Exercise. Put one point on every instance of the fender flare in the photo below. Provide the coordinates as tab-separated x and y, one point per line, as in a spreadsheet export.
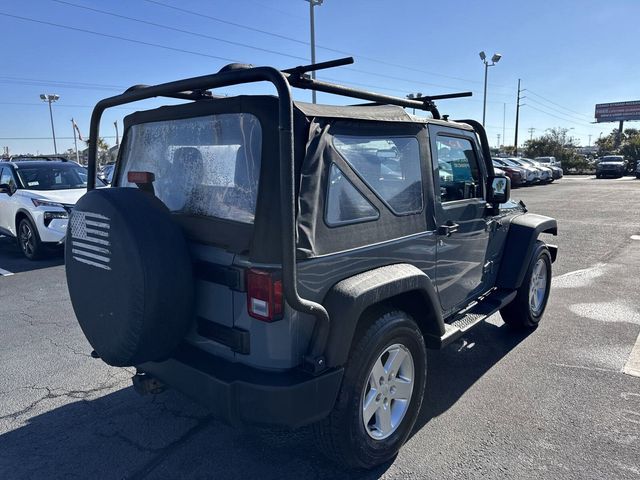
349	298
521	239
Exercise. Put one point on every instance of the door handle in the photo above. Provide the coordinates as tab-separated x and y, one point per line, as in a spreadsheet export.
448	228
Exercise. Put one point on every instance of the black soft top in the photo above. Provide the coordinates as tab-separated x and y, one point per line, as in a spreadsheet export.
312	153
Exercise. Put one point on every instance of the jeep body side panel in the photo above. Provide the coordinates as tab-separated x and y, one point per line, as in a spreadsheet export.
348	299
523	233
461	254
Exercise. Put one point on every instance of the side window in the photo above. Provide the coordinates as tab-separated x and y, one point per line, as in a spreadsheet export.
389	165
345	204
459	174
7	177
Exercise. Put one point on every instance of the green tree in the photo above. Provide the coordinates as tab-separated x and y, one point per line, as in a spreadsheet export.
555	143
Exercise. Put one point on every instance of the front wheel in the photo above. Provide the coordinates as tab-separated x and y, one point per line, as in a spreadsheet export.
381	394
525	311
29	240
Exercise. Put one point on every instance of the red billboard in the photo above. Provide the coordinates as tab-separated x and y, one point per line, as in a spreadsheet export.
614	112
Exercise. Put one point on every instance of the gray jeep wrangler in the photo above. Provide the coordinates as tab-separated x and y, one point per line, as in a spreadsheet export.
289	263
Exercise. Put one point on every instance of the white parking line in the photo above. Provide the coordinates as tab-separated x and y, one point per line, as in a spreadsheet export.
5	273
633	363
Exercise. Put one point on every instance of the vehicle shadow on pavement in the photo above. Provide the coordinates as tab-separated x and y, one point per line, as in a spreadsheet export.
122	435
453	370
12	259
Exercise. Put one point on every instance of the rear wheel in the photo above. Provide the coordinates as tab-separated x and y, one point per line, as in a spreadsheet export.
381	394
29	240
526	310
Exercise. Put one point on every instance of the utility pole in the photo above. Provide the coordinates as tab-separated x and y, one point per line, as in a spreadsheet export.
75	141
515	142
498	142
589	140
531	130
313	3
504	116
619	135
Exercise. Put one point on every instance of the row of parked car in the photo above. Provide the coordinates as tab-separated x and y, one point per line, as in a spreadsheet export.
527	171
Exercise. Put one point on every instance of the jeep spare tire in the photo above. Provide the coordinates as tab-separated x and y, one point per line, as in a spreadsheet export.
129	275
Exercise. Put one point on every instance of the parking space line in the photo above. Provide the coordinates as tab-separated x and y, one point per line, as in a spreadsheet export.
5	273
633	363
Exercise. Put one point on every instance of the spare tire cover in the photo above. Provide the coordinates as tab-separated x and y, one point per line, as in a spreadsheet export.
129	275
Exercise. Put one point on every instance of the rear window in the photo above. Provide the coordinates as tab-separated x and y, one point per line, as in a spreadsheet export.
203	166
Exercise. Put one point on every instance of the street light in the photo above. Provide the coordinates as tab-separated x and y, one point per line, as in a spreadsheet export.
50	98
495	59
313	3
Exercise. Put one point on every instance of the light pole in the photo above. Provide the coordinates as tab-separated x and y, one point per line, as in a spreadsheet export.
495	59
50	98
313	3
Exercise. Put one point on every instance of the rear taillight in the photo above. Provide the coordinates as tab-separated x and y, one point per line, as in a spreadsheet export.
264	295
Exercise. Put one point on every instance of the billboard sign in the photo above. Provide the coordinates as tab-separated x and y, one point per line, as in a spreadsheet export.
615	112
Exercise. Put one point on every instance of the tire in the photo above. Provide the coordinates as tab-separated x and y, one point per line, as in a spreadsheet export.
131	284
520	313
29	240
343	435
598	175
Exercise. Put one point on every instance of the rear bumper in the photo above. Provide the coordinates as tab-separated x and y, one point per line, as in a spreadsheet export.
239	394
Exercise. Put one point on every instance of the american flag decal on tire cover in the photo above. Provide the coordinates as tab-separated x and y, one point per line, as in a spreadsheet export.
90	239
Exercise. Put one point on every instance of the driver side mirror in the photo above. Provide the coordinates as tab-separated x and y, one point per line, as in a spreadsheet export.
499	190
6	188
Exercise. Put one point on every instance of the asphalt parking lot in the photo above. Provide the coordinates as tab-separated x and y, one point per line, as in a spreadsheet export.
551	404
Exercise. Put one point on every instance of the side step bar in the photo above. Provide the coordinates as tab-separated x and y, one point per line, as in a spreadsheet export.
471	317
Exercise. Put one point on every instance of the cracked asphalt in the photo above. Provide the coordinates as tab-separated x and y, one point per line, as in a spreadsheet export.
550	404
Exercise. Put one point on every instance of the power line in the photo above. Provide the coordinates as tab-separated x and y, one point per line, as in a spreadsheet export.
116	37
202	54
558	105
87	84
555	109
180	30
555	116
302	42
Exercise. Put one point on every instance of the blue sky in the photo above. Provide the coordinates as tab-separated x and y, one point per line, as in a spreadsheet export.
570	55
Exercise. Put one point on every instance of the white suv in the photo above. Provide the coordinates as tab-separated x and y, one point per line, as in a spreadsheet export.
36	197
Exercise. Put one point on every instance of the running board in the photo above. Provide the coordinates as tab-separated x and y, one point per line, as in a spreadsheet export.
465	321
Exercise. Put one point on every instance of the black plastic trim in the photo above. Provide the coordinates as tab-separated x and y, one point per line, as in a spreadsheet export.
229	276
349	298
237	339
240	394
521	239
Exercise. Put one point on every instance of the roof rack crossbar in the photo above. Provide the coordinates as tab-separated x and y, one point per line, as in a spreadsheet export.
313	67
185	95
333	88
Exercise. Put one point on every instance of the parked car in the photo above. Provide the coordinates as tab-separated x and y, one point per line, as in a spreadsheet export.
546	174
548	161
638	171
530	174
106	173
293	281
611	166
516	175
36	197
